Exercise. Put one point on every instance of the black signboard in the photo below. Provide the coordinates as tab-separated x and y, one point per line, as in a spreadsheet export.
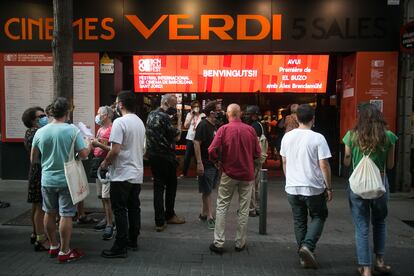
190	26
407	38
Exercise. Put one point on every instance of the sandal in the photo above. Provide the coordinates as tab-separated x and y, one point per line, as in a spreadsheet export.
4	204
40	246
383	269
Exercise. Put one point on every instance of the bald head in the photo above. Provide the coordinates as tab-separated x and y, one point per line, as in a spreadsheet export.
233	111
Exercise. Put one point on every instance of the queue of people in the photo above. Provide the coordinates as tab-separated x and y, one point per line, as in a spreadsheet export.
229	156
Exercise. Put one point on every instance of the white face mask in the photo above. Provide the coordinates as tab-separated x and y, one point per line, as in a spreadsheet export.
196	109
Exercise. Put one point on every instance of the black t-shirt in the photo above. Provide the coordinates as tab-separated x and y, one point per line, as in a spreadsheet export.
205	132
257	127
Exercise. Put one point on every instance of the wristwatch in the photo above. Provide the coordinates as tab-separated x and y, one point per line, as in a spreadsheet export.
329	189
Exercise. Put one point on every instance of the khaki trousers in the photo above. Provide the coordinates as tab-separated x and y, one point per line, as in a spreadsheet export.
255	201
225	194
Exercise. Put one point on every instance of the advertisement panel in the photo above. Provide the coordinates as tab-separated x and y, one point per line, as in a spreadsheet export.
369	77
231	73
26	80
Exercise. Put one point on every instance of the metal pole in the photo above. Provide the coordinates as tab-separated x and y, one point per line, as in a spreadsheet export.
263	202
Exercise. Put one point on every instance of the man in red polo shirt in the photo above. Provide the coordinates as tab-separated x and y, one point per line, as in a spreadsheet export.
234	147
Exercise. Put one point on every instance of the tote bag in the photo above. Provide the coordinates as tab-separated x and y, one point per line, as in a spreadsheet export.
264	145
76	176
365	181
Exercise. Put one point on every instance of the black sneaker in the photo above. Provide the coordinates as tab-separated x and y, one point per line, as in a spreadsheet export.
308	258
240	249
133	246
114	253
215	249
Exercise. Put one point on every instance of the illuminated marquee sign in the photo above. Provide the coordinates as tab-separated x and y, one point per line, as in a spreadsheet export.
231	73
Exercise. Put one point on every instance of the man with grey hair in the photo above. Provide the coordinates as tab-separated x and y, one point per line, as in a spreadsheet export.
161	138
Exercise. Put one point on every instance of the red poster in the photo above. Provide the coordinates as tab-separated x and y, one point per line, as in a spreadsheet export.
231	73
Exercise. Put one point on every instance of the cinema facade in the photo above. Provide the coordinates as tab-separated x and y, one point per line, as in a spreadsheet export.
332	54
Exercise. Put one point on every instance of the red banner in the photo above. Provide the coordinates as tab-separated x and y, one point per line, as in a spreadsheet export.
231	73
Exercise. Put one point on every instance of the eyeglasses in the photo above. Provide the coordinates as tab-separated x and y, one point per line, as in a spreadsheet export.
41	116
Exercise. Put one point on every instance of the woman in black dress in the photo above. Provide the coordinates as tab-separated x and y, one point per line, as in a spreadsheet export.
34	118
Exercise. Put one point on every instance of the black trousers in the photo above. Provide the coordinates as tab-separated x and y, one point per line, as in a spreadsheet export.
165	178
126	207
189	153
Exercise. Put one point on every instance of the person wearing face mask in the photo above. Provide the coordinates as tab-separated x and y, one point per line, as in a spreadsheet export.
101	148
192	119
161	138
53	143
34	118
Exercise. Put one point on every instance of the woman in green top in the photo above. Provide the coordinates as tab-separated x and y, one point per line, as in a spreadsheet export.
370	136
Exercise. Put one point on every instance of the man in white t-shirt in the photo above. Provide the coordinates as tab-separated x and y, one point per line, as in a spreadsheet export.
305	155
126	170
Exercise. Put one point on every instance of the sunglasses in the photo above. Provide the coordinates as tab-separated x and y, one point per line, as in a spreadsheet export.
41	116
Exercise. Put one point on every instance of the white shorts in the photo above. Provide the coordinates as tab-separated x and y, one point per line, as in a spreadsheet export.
102	190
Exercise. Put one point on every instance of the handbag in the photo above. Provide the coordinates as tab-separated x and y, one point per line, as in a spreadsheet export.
76	176
365	181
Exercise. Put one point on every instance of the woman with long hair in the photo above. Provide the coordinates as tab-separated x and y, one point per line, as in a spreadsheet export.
370	136
34	118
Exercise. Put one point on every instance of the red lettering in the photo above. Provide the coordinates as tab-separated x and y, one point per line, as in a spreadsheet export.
137	23
242	27
105	26
90	26
174	26
221	32
7	28
39	24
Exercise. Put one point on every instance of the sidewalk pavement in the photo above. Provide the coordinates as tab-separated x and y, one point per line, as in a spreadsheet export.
183	249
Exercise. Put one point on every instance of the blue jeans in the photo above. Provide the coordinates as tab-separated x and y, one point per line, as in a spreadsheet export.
58	199
302	207
363	211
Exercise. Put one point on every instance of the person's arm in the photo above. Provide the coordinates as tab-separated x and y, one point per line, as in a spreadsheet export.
215	146
188	119
197	153
284	164
391	157
96	143
326	172
84	153
111	156
35	156
82	147
347	156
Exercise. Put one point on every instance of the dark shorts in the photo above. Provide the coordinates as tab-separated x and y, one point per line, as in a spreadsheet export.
208	181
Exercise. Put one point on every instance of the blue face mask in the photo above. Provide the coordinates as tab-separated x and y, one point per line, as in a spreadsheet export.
98	120
43	121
